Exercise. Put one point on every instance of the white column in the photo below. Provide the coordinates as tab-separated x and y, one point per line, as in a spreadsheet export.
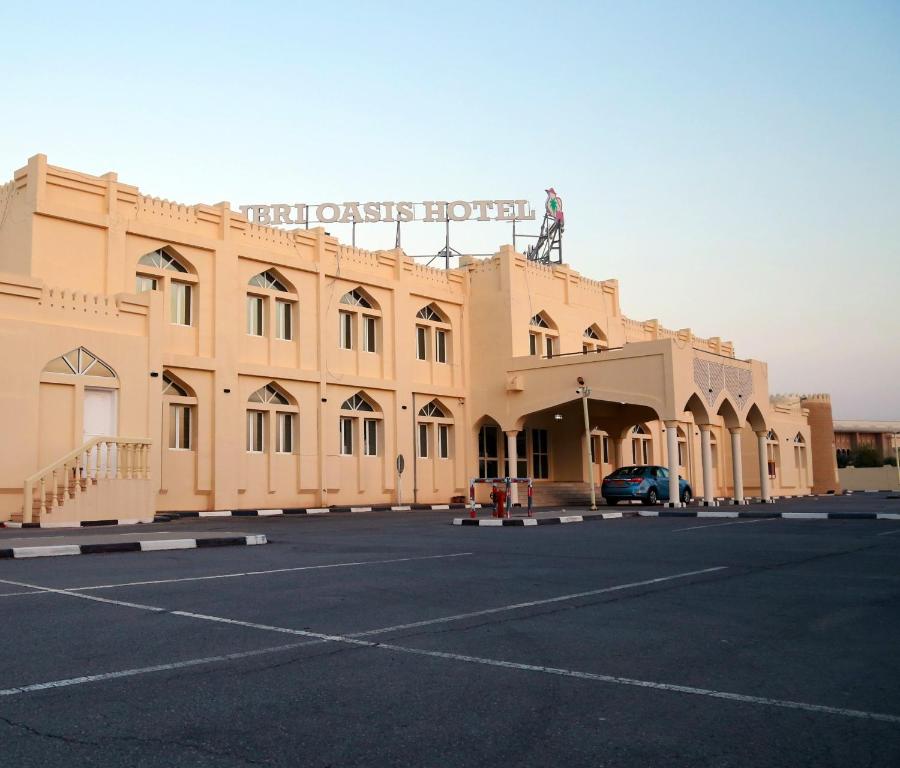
512	463
706	457
737	470
672	456
763	467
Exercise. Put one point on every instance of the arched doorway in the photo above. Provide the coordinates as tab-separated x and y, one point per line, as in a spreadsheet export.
78	401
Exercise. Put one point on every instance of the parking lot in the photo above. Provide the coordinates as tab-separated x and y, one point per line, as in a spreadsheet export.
397	639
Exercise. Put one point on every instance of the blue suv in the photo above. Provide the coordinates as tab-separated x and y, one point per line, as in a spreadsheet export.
649	484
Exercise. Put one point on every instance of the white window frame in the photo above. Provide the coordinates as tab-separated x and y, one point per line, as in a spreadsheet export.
181	307
423	440
177	432
256	315
347	441
284	320
146	283
443	451
421	342
370	333
345	329
256	431
284	436
370	437
440	345
533	343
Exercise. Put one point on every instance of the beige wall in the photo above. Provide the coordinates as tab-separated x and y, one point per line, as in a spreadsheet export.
69	248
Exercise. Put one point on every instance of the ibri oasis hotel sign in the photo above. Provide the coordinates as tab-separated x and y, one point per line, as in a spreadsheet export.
548	242
298	214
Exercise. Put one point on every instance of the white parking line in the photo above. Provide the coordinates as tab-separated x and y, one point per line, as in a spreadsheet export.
533	603
888	533
497	663
717	525
244	573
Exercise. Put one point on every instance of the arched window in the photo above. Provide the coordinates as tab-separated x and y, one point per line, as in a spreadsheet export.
593	340
269	294
181	415
79	362
773	453
359	415
682	447
434	431
641	445
432	335
543	337
268	280
358	319
161	259
356	299
266	406
164	270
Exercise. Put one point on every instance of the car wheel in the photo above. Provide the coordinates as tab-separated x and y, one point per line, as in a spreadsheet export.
612	502
686	496
651	498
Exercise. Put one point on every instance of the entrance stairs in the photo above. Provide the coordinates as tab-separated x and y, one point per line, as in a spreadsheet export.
562	494
97	481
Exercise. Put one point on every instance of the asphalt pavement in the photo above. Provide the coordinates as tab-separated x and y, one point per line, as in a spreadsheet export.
398	639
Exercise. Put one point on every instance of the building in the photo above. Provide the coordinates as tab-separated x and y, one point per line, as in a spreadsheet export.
882	436
162	356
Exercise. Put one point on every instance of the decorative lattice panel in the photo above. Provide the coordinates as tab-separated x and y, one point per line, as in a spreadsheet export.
739	383
709	380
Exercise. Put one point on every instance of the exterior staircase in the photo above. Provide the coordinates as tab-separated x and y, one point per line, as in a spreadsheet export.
563	494
107	478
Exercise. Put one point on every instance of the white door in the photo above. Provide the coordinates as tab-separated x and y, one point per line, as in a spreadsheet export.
100	421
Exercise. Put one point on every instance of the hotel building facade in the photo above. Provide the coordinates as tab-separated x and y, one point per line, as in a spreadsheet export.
166	357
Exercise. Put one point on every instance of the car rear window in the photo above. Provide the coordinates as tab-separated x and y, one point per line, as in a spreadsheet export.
628	472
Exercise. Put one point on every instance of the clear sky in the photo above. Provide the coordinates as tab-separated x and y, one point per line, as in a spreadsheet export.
735	165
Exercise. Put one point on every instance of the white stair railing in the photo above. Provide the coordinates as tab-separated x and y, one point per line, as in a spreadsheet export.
119	458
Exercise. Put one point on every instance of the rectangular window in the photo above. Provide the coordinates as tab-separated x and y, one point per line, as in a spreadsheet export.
284	439
181	303
180	427
549	342
532	343
256	431
346	329
370	332
634	451
421	343
371	437
423	441
605	449
680	454
488	456
646	451
444	441
595	453
585	348
283	320
540	454
346	436
521	454
440	345
255	309
145	283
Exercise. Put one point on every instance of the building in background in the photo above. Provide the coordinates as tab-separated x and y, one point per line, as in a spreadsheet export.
161	356
881	436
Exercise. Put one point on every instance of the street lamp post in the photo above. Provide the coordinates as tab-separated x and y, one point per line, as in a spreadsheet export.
585	393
